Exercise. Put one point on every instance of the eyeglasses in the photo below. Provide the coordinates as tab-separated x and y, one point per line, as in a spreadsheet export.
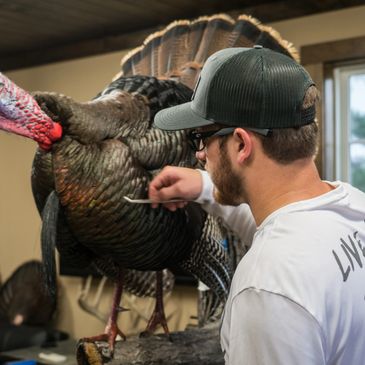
198	139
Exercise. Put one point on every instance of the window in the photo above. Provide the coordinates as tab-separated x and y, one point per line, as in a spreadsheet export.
349	131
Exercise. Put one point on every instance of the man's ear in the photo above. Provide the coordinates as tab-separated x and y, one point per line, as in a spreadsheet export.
243	145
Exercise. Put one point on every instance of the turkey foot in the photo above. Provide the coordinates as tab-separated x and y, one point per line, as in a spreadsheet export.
111	332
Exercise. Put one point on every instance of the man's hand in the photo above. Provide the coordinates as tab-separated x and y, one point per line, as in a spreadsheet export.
175	183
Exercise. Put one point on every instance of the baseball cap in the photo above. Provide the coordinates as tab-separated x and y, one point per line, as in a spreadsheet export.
244	87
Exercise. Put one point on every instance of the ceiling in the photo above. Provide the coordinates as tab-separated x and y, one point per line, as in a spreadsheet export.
42	31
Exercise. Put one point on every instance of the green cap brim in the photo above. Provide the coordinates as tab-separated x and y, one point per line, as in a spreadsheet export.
179	117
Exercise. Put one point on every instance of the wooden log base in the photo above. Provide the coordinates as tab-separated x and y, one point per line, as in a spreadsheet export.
196	346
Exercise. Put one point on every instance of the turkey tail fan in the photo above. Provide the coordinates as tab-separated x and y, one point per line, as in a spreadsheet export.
154	57
248	31
176	36
48	242
180	50
216	36
270	38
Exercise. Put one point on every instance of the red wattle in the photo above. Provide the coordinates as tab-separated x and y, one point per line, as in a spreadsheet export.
45	146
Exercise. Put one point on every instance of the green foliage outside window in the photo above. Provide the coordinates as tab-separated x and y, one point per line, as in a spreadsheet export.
358	136
358	125
358	176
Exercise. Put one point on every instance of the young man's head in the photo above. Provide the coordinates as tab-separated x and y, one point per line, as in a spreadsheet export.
245	97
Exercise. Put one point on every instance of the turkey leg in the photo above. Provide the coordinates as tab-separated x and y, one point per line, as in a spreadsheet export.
158	315
111	329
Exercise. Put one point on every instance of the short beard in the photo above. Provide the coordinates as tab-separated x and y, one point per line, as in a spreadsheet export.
229	187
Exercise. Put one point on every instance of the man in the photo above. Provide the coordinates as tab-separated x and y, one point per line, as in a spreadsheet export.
298	295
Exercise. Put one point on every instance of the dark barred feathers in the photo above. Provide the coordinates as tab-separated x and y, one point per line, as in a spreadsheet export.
157	148
159	93
48	242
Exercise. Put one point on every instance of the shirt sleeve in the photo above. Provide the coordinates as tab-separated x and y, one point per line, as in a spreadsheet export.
238	218
269	329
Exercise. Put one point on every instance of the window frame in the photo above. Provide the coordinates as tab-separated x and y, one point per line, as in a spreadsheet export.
321	60
342	119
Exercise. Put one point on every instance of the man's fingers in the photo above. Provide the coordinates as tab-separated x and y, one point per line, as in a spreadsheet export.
159	188
181	204
167	193
174	183
170	206
157	183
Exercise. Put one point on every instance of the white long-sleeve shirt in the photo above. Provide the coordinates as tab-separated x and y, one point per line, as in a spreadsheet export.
298	295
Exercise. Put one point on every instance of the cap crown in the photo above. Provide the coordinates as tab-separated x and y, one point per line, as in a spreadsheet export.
253	87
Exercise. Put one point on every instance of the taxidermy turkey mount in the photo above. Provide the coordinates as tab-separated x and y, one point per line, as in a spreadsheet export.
93	154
